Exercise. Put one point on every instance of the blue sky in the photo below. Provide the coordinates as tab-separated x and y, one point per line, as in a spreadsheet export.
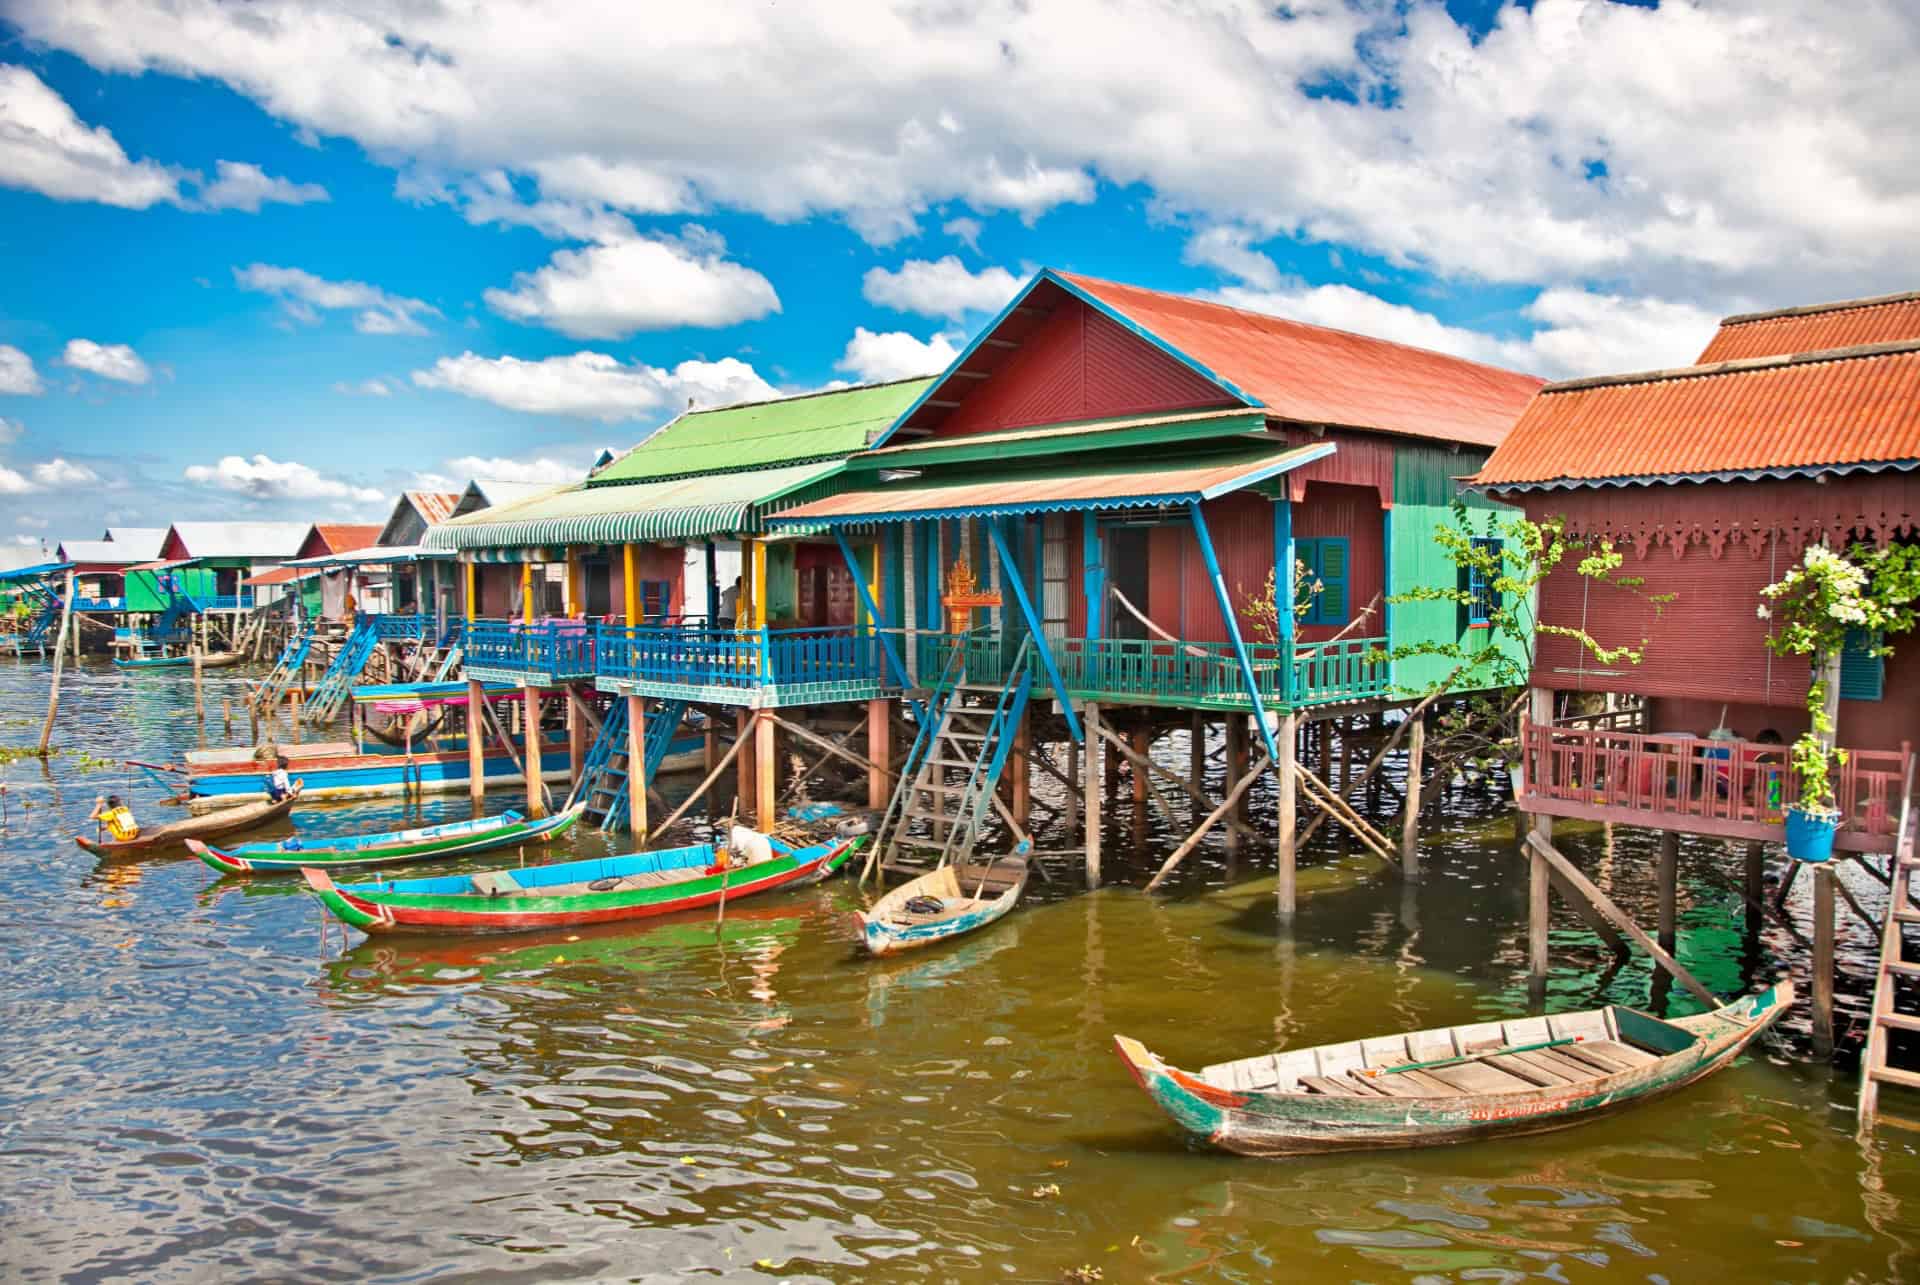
285	258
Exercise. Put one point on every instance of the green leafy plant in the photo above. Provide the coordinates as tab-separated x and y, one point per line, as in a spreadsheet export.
1814	607
1262	610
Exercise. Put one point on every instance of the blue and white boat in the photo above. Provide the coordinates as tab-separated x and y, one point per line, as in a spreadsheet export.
942	904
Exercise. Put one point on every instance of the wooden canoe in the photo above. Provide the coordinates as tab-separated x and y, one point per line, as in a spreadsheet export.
422	843
218	660
211	825
1452	1084
942	904
596	891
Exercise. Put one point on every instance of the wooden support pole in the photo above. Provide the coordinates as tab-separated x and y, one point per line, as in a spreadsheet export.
1823	938
1288	743
1020	767
1359	827
1207	823
1074	785
1594	919
530	752
1410	809
1539	905
1756	886
1237	742
1142	743
1669	890
765	759
576	741
1197	756
879	732
734	751
743	748
1543	846
53	693
1095	785
476	741
637	766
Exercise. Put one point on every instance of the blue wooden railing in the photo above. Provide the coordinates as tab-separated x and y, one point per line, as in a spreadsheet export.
743	660
550	650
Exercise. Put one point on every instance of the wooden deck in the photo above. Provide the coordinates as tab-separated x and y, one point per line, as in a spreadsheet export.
1726	788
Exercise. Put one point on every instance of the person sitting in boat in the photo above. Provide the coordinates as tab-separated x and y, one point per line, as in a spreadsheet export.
109	811
278	786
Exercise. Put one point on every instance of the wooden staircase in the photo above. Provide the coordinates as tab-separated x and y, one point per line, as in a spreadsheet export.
1895	1008
953	770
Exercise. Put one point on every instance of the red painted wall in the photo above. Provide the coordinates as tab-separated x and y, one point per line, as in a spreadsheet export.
496	588
1179	595
1333	509
1079	364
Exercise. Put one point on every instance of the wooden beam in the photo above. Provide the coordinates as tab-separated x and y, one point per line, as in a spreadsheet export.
1284	886
1823	943
837	749
1621	920
1200	832
879	731
1091	792
536	803
1594	919
733	752
637	766
1410	808
1371	839
1153	769
1668	877
765	760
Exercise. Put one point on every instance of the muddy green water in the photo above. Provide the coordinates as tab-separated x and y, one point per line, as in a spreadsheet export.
196	1083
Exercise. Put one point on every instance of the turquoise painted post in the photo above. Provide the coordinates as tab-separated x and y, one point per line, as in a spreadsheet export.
1233	632
1095	574
1011	567
1283	560
879	621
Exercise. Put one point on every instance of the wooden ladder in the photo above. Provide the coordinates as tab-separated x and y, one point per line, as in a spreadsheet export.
1888	1013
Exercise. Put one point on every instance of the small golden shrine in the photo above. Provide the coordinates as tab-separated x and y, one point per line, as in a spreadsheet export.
963	596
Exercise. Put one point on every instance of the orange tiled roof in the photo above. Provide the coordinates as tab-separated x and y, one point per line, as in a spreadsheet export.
1318	375
1892	318
1847	408
341	536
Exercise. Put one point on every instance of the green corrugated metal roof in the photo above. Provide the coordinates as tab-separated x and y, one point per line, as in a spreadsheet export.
812	427
686	508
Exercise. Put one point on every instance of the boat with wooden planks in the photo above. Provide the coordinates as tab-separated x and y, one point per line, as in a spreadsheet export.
595	891
942	904
218	660
336	770
1451	1084
422	843
211	825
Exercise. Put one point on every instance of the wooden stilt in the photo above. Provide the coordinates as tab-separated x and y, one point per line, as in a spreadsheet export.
53	694
1756	886
1539	905
765	759
879	734
1669	890
530	752
1095	788
1074	789
1197	758
476	741
738	750
1207	823
1288	743
1540	844
637	766
1020	769
1410	809
576	741
747	777
1237	739
1823	936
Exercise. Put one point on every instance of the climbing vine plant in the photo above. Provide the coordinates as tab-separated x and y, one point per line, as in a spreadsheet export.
1869	592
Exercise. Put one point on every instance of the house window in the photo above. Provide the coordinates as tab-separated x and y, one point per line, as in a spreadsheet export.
1863	675
1483	597
656	598
1326	560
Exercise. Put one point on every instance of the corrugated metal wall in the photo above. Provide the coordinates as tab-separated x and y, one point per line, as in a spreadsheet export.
1424	488
1080	364
1330	509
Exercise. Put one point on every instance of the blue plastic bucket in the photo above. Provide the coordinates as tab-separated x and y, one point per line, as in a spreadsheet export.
1810	834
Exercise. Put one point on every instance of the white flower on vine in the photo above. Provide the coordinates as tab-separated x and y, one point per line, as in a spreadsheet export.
1763	612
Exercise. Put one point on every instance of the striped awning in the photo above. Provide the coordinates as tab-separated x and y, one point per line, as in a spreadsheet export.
686	508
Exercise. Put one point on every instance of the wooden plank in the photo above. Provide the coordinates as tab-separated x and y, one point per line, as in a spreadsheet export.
1572	1067
1594	1057
1478	1077
1621	920
1331	1087
1529	1065
1392	1086
1373	1087
1429	1086
1619	1051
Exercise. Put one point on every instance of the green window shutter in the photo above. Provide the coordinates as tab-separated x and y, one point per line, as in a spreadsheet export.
1306	557
1333	576
1863	675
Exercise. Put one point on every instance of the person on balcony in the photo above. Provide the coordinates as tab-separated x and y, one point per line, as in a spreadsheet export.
730	603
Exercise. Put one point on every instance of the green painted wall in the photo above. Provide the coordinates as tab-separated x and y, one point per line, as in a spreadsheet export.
1423	493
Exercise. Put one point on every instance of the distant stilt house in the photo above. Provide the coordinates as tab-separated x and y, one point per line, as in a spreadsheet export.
101	565
1798	427
1091	503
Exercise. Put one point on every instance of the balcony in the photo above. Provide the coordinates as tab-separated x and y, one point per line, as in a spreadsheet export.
1206	675
1731	789
762	668
542	654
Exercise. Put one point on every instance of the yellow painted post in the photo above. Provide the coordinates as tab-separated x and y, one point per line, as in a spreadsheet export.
526	592
759	587
530	748
473	589
636	765
575	601
629	569
476	744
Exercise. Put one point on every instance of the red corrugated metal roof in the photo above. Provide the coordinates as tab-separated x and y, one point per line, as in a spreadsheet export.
280	575
434	506
1847	324
1319	375
338	537
1064	486
1850	407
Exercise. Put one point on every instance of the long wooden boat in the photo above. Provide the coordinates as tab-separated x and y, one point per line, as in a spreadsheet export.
422	843
218	660
210	826
1453	1084
942	904
596	891
220	778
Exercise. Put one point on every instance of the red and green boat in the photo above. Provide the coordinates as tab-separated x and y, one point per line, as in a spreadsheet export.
422	843
595	891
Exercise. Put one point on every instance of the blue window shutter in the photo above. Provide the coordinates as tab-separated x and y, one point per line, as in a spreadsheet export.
1863	675
1330	608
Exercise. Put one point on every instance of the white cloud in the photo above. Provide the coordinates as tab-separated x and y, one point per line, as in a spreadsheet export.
240	186
56	474
593	385
611	290
303	296
29	520
939	288
12	482
118	362
895	354
365	388
266	478
1229	250
11	431
964	230
541	469
1699	150
45	148
17	375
